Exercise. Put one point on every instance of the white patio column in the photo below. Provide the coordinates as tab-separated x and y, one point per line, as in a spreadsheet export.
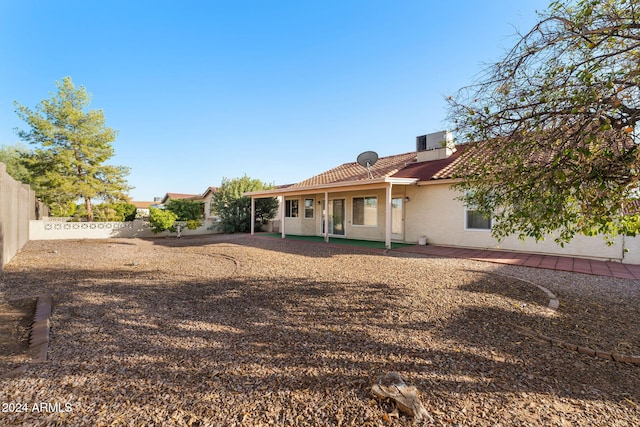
326	216
282	208
387	234
253	215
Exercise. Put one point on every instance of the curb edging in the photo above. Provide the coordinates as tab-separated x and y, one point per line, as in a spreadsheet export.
39	341
39	337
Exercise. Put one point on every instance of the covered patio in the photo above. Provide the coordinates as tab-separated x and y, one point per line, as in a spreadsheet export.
327	194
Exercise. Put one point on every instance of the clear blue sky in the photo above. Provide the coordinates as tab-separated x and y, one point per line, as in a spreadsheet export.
279	90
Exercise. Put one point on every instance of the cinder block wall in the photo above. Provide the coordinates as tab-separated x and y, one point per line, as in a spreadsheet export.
17	208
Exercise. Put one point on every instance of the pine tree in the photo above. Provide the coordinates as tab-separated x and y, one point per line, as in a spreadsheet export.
72	145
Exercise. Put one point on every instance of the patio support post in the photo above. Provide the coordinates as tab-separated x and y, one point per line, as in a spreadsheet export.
283	205
387	234
253	215
326	216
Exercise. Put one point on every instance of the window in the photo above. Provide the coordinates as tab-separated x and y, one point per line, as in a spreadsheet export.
308	208
475	221
291	208
365	211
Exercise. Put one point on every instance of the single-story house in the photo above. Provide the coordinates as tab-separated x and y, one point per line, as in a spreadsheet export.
409	198
204	198
142	208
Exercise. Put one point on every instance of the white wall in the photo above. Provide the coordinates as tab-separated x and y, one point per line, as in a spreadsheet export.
49	230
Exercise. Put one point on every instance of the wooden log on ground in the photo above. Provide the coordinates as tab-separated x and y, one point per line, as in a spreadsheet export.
392	386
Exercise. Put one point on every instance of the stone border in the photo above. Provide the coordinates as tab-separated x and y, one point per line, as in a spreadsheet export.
554	303
588	351
552	308
39	337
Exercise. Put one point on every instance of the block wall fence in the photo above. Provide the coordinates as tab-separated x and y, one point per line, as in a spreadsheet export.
18	206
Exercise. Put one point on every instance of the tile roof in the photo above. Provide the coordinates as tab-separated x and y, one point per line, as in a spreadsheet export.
142	205
348	172
407	166
434	169
209	190
175	196
632	207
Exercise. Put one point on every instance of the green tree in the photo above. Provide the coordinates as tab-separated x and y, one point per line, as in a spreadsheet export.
72	146
188	212
120	211
553	147
11	156
234	209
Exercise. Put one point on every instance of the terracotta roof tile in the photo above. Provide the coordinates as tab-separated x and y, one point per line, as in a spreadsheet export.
175	196
384	167
434	169
142	205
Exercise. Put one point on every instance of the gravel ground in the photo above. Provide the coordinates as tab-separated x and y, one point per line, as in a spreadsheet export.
233	330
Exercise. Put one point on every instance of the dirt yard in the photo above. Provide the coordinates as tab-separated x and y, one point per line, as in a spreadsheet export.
241	331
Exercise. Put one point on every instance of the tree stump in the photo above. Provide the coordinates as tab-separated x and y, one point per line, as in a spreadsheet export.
392	386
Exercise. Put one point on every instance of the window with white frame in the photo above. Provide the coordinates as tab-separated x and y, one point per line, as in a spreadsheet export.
291	208
309	208
475	220
365	211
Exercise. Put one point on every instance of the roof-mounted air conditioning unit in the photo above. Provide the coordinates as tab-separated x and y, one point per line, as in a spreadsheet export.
433	146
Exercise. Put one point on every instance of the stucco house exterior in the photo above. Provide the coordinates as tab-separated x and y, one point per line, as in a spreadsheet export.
142	208
204	198
409	198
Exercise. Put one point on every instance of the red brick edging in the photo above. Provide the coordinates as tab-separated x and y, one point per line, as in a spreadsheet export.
39	338
39	341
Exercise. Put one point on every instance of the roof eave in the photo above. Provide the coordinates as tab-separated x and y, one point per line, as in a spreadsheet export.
376	182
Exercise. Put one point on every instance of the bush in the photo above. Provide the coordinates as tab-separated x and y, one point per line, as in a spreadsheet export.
161	220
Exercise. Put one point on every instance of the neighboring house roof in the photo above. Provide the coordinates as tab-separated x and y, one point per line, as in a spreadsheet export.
207	191
174	196
143	205
350	172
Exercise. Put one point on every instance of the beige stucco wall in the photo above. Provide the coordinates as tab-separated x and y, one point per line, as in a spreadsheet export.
313	226
435	213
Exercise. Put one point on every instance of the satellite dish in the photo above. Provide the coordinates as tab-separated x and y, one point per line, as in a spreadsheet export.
368	159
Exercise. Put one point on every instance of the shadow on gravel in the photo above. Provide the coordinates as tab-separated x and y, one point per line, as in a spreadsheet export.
243	336
132	333
288	246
